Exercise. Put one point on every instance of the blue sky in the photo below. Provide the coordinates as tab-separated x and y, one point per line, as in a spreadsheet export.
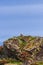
21	16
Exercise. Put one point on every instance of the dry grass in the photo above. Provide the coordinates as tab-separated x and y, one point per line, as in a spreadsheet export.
10	64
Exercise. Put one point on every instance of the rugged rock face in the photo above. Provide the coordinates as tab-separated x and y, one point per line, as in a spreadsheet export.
23	48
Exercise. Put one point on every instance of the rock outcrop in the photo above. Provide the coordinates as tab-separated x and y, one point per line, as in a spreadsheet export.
23	48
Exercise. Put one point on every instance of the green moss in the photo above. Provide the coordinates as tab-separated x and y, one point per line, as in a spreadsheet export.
22	43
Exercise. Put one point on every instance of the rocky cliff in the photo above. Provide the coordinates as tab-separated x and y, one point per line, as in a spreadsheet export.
23	48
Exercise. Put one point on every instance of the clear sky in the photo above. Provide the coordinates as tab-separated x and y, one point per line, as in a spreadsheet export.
21	16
